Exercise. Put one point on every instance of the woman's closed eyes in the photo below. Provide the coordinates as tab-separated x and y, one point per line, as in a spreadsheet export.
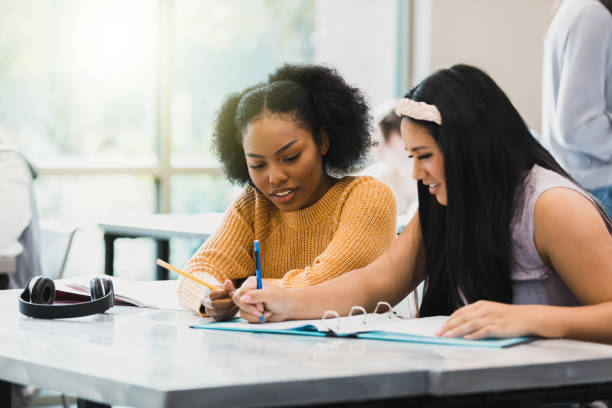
289	159
421	157
292	158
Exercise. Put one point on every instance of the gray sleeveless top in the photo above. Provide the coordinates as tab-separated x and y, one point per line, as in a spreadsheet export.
532	281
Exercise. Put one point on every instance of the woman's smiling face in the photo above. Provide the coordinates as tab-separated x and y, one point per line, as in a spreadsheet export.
428	158
284	161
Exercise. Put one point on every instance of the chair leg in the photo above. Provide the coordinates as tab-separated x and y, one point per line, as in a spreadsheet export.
65	403
81	403
3	281
5	394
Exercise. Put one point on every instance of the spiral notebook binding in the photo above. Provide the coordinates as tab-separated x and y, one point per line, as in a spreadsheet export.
363	312
326	316
331	316
386	304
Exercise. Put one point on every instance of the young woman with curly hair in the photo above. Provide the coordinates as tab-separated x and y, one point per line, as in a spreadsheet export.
506	242
287	140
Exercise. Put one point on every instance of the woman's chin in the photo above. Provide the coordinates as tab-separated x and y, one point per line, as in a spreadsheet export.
441	200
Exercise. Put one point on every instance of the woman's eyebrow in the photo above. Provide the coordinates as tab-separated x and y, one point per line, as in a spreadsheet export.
285	147
276	153
253	155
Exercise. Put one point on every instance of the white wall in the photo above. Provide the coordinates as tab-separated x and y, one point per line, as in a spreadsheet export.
503	37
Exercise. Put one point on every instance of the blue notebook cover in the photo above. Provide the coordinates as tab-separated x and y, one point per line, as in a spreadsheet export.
296	328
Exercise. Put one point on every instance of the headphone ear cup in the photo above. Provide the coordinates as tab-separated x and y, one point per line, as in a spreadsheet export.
108	285
41	290
26	291
99	287
96	288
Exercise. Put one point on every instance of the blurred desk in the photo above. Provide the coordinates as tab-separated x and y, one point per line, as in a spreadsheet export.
160	227
151	358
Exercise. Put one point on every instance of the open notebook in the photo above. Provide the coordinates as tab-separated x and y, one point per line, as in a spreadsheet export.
373	326
153	294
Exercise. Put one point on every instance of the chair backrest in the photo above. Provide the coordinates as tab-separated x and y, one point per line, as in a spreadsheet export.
55	242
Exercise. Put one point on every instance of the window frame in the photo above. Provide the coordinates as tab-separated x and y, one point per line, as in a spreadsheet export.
161	170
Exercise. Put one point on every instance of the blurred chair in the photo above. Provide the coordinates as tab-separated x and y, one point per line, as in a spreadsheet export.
55	242
52	399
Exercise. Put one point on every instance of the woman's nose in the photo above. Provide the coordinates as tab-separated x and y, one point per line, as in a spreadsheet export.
276	175
417	170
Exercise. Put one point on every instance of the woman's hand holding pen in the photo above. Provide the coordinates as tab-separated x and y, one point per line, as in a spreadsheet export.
271	300
218	304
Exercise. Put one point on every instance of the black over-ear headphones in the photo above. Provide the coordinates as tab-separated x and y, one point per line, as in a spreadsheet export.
37	299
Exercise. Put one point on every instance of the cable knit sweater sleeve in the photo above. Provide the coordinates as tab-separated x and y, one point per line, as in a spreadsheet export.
366	226
225	255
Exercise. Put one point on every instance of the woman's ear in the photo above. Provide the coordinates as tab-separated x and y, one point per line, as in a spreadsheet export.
323	142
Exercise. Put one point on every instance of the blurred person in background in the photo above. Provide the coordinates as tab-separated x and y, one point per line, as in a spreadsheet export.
19	256
577	93
18	218
390	162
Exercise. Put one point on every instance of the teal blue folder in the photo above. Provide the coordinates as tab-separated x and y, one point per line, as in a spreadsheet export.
240	325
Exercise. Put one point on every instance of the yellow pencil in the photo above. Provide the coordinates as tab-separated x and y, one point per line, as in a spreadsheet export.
177	270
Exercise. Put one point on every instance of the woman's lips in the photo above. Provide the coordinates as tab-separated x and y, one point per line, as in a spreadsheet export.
284	196
433	188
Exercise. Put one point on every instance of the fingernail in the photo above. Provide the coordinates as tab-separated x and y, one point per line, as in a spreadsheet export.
246	299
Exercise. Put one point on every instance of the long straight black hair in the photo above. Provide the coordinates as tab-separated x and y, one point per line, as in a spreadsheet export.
488	150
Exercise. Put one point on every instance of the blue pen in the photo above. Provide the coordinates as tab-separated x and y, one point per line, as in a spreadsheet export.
257	267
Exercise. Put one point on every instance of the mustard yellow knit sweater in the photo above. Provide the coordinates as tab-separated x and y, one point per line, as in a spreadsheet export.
347	228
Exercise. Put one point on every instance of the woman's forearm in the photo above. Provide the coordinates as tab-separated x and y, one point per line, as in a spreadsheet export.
339	294
390	278
361	287
590	323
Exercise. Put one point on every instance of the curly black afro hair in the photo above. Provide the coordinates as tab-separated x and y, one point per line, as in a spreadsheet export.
317	97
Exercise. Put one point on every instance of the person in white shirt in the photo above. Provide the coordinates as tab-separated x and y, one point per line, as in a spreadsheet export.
18	219
18	236
577	93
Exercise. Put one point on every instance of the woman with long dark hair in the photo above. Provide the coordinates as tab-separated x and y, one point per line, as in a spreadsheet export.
505	241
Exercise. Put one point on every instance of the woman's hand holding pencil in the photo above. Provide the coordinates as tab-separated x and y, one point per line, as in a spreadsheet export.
217	300
218	303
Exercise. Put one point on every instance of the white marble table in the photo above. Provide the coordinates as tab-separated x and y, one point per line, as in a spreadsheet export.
151	358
